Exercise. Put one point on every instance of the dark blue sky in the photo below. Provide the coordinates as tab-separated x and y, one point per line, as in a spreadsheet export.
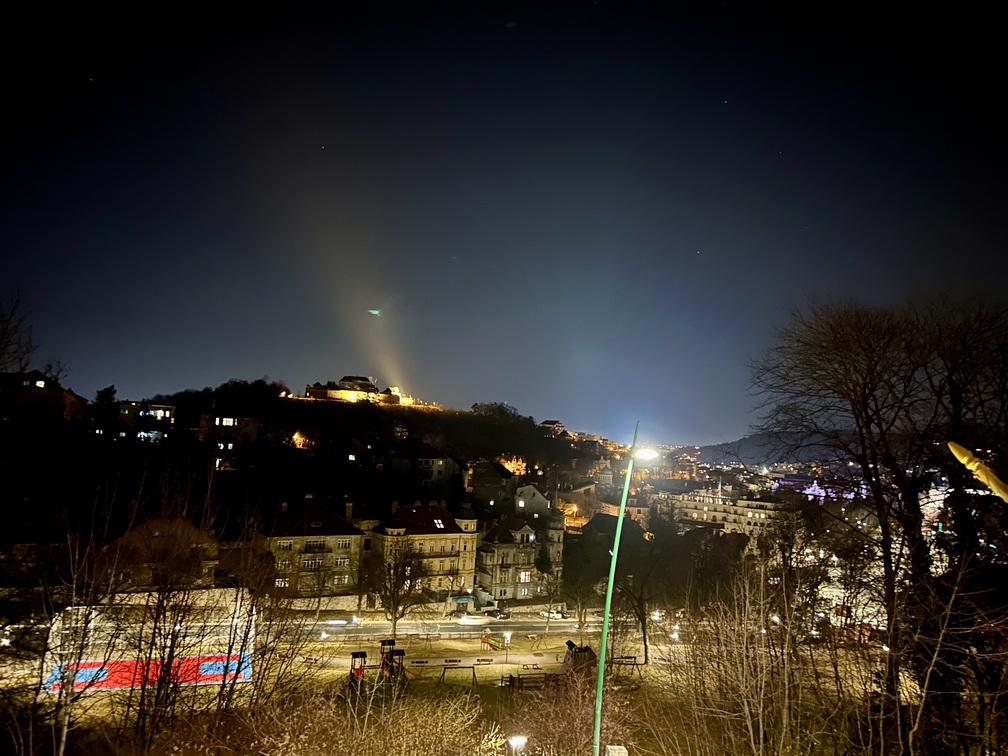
594	213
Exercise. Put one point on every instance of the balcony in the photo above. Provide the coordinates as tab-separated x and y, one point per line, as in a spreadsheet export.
316	548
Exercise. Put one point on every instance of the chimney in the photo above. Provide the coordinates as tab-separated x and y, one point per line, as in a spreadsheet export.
395	506
349	510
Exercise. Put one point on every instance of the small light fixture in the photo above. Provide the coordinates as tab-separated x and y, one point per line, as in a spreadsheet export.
517	742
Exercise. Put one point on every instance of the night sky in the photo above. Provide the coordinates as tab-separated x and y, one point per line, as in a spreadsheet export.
596	213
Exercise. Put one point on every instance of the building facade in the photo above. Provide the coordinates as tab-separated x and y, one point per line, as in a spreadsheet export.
315	551
442	547
711	509
506	562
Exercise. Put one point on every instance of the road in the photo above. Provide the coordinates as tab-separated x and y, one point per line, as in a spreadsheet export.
515	626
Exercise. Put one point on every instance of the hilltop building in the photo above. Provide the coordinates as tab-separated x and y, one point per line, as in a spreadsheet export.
356	388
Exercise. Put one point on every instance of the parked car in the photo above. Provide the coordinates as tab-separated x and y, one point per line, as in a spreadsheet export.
553	614
496	613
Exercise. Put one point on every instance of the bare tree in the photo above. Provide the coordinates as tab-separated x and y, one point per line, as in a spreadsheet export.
852	380
16	345
397	576
881	391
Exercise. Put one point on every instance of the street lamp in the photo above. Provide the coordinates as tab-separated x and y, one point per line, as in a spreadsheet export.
507	645
640	454
517	742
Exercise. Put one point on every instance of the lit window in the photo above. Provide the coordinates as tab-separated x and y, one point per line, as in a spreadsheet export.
439	524
284	565
40	384
227	421
343	543
524	591
352	457
314	544
282	583
342	562
284	545
525	576
342	580
312	563
521	503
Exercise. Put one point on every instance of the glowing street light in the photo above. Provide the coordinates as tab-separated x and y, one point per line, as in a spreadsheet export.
507	646
638	454
517	742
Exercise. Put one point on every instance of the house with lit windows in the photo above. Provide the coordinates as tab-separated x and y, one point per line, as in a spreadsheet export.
506	559
713	510
443	547
423	465
315	551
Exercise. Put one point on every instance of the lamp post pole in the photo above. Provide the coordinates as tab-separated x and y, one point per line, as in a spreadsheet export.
597	737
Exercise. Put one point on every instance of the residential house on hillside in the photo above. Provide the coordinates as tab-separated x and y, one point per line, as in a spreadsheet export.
144	421
578	505
552	428
637	509
33	398
491	484
605	477
316	552
603	526
229	433
163	552
424	465
529	501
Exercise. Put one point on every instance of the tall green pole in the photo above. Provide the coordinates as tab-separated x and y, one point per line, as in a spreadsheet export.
597	737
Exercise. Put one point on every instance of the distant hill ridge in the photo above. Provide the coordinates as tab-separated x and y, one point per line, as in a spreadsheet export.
763	449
